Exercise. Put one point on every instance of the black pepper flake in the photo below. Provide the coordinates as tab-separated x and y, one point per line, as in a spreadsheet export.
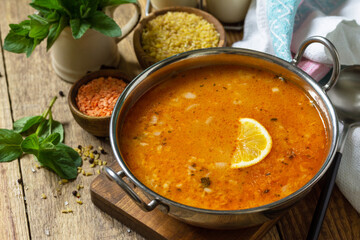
267	174
79	147
201	85
214	84
225	88
266	190
61	93
91	160
103	151
193	165
277	195
74	193
19	181
273	119
291	154
95	152
156	113
169	131
205	182
285	163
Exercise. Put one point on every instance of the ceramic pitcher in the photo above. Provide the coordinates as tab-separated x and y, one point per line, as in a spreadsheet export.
73	58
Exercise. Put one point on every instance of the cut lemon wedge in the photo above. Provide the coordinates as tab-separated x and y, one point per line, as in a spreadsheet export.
253	144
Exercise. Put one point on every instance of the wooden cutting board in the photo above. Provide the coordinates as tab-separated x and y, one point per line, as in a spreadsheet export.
110	198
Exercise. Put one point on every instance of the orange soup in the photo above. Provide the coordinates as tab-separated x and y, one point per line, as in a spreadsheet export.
179	138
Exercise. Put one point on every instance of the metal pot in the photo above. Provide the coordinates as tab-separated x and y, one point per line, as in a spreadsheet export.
152	76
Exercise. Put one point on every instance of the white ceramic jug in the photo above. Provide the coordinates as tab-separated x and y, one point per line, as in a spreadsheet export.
73	58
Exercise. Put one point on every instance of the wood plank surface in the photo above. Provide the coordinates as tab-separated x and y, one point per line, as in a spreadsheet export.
26	87
13	221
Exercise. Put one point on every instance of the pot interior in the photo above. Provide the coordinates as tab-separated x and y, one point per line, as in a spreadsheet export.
161	71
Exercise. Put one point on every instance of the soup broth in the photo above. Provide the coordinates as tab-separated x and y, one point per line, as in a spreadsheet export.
179	138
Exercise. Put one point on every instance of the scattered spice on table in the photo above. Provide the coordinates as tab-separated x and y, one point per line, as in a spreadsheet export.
97	98
61	93
177	32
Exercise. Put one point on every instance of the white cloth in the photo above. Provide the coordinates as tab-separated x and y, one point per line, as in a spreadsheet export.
338	21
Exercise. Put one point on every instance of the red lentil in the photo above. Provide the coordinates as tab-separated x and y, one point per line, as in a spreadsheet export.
98	97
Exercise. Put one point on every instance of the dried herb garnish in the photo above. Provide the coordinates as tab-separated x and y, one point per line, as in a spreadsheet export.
205	182
266	190
291	154
273	119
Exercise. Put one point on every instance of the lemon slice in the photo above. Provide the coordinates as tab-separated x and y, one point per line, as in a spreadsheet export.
253	144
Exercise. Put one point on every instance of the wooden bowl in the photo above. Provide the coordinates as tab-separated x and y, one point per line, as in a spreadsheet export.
144	59
98	126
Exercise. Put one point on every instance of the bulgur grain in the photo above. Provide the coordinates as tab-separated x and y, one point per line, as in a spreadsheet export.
176	32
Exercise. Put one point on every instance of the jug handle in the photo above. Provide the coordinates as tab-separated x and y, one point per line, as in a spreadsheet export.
130	25
334	54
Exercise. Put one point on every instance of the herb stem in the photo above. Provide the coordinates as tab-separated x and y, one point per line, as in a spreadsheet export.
44	115
46	112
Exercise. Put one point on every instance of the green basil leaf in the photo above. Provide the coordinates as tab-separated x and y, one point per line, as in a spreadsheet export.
21	29
32	45
25	123
63	160
38	30
51	127
71	7
84	11
104	24
53	17
53	138
49	4
16	43
31	144
78	27
10	142
38	18
55	31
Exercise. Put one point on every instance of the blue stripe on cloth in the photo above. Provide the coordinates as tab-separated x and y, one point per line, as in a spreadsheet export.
281	14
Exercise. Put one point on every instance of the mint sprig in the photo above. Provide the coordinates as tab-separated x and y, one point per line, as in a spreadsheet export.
42	137
54	15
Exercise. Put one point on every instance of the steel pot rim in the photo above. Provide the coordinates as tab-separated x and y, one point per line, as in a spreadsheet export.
214	51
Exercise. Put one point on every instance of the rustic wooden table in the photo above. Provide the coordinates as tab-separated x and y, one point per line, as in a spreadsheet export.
26	87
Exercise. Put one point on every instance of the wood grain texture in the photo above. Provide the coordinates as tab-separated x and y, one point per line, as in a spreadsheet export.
155	225
13	221
29	85
341	220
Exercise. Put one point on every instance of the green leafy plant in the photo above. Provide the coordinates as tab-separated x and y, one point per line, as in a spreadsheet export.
54	15
42	137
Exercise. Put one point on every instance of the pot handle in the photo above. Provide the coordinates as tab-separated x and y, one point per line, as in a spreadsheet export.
117	177
334	54
130	25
